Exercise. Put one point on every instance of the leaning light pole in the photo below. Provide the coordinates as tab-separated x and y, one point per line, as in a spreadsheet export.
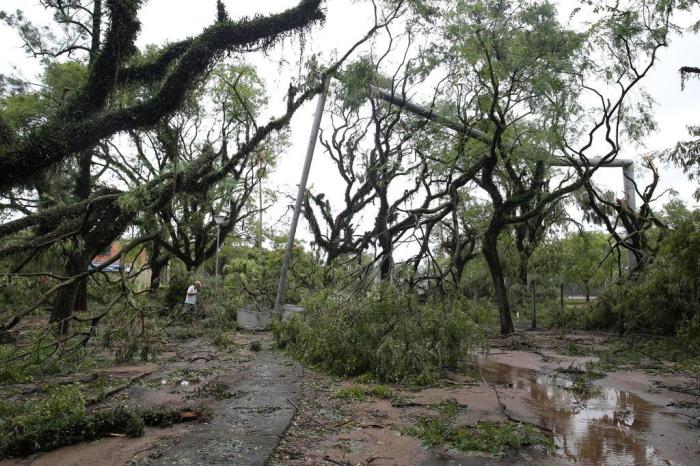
479	135
300	197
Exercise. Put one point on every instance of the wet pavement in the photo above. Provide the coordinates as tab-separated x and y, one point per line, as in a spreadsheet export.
613	426
245	429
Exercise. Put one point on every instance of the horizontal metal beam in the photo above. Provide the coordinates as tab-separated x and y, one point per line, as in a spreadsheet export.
620	163
626	164
455	125
479	135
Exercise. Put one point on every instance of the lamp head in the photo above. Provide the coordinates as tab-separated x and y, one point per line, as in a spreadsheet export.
219	218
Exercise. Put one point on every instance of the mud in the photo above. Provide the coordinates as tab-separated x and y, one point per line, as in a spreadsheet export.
626	422
192	361
107	451
328	430
629	419
634	418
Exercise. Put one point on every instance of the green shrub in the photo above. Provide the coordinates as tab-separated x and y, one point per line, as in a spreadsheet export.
251	274
222	342
665	297
386	333
17	292
493	437
12	370
551	315
174	293
60	419
40	358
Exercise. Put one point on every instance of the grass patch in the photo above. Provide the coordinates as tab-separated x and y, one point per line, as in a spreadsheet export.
255	346
365	378
582	388
60	419
353	393
381	391
222	342
488	436
493	437
570	348
213	389
448	408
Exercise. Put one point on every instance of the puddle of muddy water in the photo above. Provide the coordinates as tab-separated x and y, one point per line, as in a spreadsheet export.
607	429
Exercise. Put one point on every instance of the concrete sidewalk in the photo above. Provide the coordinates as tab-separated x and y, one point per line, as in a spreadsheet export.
246	429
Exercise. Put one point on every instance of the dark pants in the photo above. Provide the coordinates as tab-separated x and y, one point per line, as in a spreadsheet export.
191	310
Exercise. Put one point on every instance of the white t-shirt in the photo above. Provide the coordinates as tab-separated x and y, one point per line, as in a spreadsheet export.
191	297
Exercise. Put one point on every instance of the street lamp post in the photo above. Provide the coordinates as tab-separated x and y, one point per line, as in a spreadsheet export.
218	219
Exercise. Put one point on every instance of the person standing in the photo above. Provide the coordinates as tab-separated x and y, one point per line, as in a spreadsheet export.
191	299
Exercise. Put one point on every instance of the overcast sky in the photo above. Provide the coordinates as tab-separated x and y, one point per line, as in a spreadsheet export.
169	20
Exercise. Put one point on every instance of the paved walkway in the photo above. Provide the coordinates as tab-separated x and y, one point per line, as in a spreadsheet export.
245	429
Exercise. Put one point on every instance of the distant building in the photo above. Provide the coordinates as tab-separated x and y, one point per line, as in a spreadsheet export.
106	255
142	276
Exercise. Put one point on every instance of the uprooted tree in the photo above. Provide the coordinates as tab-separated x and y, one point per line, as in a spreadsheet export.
515	89
69	134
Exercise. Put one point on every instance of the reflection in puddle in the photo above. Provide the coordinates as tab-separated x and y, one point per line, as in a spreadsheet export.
607	429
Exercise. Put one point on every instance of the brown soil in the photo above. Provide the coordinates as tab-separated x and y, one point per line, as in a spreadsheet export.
627	421
108	451
182	367
635	417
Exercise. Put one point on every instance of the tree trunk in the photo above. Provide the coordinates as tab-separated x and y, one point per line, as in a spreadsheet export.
157	268
73	297
157	261
63	306
490	250
381	226
522	281
523	259
387	260
588	293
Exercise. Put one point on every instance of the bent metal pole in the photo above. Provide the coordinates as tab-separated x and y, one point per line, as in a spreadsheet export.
483	137
300	197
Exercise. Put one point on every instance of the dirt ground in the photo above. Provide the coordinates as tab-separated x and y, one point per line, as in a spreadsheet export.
176	380
631	415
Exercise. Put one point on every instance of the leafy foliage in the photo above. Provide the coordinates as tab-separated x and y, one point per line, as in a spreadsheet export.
493	437
489	436
664	299
251	275
384	332
60	419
